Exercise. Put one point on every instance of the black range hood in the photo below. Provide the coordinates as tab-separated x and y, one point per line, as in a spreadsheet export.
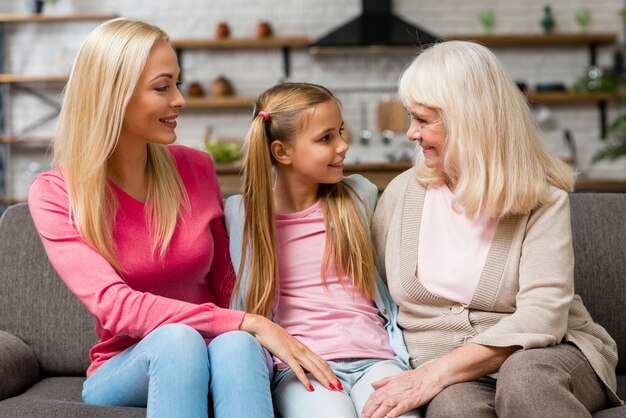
376	26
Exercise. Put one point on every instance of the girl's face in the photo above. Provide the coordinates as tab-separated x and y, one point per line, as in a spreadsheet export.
152	110
428	131
318	150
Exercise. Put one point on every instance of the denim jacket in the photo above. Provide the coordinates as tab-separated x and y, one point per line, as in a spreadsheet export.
234	212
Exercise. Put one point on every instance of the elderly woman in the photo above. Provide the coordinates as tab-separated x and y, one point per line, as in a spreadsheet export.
475	242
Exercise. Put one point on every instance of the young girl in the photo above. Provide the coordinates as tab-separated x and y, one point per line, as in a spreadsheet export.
309	251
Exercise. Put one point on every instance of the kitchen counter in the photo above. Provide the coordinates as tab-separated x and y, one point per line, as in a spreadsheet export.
382	173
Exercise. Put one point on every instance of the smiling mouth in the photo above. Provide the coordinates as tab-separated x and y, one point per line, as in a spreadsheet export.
337	165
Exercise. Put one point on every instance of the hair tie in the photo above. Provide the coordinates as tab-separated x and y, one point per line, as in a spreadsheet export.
266	116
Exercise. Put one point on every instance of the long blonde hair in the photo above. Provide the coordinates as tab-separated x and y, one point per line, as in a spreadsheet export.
105	72
348	247
493	153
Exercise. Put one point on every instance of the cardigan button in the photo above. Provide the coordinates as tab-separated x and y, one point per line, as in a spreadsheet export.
457	309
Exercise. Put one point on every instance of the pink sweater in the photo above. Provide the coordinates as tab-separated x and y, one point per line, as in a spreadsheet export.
188	285
336	322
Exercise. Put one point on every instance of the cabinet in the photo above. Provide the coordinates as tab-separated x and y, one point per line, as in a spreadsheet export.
27	84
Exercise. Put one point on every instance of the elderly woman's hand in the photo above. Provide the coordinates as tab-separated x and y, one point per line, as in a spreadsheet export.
399	394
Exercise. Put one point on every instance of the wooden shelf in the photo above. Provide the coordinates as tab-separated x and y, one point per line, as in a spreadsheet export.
538	39
568	97
20	78
7	200
228	102
25	139
271	42
41	18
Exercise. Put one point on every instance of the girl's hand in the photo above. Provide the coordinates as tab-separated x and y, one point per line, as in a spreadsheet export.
396	395
290	351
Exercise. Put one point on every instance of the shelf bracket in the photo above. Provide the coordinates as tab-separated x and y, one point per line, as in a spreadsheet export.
286	62
593	53
48	117
602	111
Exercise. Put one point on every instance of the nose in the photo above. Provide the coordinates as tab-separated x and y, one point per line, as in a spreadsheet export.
414	133
178	101
342	147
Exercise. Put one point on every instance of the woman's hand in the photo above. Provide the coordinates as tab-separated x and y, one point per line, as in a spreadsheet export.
396	395
393	396
290	351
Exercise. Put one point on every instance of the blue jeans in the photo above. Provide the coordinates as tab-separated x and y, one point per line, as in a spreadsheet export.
292	400
171	370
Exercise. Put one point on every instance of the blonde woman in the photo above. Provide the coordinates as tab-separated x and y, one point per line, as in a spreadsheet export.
135	228
309	263
475	242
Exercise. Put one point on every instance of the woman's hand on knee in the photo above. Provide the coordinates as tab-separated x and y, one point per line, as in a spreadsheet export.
396	395
290	351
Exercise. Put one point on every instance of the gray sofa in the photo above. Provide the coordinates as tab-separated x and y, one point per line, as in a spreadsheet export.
45	334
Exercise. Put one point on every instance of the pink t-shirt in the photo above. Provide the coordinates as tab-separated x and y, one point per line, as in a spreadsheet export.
452	248
333	321
187	286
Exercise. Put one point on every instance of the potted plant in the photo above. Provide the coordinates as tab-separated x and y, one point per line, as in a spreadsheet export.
615	143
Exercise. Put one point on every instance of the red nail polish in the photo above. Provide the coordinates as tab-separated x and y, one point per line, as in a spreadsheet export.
332	386
311	388
339	385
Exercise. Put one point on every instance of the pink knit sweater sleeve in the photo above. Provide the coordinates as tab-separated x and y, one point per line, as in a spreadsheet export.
119	309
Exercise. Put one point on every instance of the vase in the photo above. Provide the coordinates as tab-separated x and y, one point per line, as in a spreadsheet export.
548	20
36	6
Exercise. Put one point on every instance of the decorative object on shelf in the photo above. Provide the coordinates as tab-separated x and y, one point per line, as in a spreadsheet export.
222	30
224	151
221	87
550	86
37	6
582	17
547	22
487	19
195	90
263	29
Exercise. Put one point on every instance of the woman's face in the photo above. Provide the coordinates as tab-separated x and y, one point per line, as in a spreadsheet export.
428	131
152	110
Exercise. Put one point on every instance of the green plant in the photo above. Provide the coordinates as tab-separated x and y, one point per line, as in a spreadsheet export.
615	142
223	152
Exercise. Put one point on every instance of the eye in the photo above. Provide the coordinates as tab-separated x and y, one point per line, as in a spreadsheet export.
325	138
341	130
162	88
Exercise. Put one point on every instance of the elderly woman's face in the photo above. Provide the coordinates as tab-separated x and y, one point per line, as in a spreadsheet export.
428	131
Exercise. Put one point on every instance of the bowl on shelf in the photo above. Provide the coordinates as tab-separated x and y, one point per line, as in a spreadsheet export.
224	151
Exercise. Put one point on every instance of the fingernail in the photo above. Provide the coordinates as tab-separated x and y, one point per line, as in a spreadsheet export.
311	388
339	385
332	386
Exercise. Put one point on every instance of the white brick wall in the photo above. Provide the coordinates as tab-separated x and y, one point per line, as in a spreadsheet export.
49	49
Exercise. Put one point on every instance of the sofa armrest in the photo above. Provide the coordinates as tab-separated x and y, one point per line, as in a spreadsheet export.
19	369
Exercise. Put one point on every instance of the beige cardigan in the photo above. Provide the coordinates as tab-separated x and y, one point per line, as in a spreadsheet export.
525	295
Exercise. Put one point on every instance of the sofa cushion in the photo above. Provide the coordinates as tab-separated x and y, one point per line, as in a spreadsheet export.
60	397
599	233
44	313
18	366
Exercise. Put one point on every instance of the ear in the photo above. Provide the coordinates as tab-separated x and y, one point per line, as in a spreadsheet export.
280	152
